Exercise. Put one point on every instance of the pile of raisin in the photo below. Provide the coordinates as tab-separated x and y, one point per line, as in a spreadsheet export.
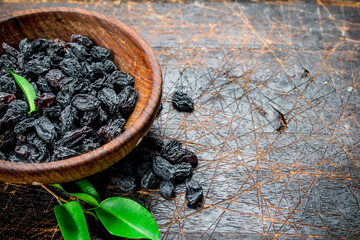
83	99
153	165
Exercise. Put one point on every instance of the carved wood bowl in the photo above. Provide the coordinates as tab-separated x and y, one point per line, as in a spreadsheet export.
130	53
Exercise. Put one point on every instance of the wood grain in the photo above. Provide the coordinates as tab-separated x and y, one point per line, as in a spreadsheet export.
131	54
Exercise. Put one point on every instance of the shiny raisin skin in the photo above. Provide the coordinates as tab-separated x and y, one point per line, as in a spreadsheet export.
85	102
182	102
194	192
167	189
127	99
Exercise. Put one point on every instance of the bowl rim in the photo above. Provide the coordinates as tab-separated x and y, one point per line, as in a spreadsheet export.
132	131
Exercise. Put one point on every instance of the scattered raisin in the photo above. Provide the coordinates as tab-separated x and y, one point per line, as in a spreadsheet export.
182	102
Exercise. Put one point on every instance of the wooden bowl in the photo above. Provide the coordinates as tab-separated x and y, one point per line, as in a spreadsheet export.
131	54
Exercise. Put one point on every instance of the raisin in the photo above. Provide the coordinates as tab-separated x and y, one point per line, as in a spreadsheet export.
38	65
25	47
89	117
85	102
109	98
53	112
56	52
44	101
127	99
10	50
80	39
16	112
40	45
68	116
7	84
61	152
90	144
24	126
42	154
42	84
9	61
109	66
74	137
2	156
182	102
100	53
119	80
125	184
73	84
167	189
194	192
79	51
95	70
71	67
172	151
108	133
6	97
63	98
24	151
6	139
163	169
152	143
183	171
189	157
54	77
45	129
150	180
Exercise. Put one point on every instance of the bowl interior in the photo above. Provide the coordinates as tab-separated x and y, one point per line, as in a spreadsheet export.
130	53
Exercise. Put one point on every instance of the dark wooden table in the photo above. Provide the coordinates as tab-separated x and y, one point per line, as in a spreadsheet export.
249	66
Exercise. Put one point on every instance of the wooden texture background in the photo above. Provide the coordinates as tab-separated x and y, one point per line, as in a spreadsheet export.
249	66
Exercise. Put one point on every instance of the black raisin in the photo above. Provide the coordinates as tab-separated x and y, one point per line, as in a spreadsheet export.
10	50
38	65
109	66
182	102
79	51
100	53
167	189
71	67
163	169
74	137
68	116
85	102
150	180
183	171
127	99
45	129
80	39
24	126
6	139
109	98
194	192
119	80
61	152
54	77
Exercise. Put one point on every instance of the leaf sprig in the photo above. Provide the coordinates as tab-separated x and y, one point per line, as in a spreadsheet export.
27	89
120	216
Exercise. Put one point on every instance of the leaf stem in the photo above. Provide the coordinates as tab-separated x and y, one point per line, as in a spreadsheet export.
58	198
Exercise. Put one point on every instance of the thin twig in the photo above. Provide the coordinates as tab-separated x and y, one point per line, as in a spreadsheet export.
60	199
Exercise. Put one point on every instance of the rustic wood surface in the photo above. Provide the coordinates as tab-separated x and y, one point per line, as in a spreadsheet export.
131	54
276	121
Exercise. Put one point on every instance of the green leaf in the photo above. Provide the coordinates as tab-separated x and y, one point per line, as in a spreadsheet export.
27	89
86	187
82	196
126	218
71	220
